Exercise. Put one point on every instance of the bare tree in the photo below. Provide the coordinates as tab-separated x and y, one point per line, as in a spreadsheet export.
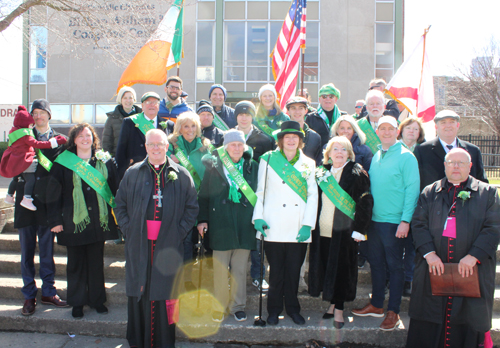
80	27
477	88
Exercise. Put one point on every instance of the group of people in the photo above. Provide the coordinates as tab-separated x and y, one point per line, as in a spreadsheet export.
351	188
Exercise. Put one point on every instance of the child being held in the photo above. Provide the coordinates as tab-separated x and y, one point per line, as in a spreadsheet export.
20	157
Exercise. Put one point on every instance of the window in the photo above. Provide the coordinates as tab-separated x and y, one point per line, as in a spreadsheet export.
38	55
384	40
100	112
205	48
60	114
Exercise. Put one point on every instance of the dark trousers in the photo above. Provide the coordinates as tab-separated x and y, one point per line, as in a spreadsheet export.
85	273
409	258
385	251
285	261
324	249
27	237
255	267
12	186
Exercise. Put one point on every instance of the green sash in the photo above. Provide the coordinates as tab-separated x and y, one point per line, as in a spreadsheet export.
219	123
18	134
211	147
88	174
181	156
335	117
372	139
291	176
265	128
335	193
141	122
237	176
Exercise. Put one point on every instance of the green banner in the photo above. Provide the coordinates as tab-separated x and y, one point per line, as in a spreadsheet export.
291	176
237	176
335	193
88	174
18	134
219	123
141	122
181	156
372	139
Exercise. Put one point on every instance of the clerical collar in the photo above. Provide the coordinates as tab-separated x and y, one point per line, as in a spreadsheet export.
444	144
153	121
450	185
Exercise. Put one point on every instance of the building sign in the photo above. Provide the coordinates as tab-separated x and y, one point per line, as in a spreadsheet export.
7	113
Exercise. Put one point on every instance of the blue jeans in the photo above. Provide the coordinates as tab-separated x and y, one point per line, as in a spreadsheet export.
255	267
27	237
409	258
385	250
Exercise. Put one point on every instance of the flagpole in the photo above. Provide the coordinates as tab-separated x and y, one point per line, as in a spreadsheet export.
302	74
178	69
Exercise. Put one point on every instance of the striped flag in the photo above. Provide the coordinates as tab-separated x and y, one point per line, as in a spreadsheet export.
286	53
162	52
413	85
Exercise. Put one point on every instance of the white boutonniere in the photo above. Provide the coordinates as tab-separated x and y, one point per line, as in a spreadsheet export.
172	176
322	174
306	171
464	195
103	156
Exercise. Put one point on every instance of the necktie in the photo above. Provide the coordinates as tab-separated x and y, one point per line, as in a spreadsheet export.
450	147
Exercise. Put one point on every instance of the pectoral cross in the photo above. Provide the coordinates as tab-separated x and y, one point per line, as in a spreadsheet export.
159	197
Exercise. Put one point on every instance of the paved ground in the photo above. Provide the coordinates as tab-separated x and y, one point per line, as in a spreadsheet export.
4	184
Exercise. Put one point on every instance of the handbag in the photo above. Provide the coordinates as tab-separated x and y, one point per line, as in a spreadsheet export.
451	283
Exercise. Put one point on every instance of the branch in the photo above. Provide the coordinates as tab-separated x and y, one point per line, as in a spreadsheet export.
25	6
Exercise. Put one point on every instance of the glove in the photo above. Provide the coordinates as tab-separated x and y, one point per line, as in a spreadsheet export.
260	225
60	140
304	234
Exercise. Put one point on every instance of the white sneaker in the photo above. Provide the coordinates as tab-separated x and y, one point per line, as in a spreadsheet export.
265	286
28	203
9	199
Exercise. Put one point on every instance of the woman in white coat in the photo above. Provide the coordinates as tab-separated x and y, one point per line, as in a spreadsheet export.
285	214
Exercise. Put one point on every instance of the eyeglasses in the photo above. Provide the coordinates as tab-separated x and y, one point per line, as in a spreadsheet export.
327	96
376	86
457	163
174	88
152	102
358	107
156	145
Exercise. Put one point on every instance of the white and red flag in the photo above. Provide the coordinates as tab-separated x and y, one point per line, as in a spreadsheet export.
286	53
413	86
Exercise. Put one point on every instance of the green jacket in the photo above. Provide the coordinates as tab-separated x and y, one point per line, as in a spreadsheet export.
229	224
194	156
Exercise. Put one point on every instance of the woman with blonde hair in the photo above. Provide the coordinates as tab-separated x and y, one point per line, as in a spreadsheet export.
342	222
269	115
347	126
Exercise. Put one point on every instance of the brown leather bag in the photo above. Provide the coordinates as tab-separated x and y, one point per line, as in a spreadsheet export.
451	283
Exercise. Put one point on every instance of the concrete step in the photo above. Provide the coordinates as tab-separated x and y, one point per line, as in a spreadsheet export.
6	216
9	241
10	263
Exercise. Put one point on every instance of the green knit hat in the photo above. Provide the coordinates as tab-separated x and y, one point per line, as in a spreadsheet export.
329	89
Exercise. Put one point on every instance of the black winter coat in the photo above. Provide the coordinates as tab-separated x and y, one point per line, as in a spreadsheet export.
339	277
363	154
214	134
180	209
112	127
229	224
61	210
430	156
260	143
312	145
131	144
478	231
24	217
317	124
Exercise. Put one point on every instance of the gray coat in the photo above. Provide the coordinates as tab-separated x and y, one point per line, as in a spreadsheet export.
180	209
478	228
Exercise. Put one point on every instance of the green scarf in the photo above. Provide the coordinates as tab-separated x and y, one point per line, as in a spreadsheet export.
80	212
294	159
234	195
189	146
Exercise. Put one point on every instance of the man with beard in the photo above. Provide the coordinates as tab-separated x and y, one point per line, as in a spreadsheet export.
173	105
391	106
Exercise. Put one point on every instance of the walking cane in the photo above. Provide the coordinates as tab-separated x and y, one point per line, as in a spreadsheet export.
260	321
201	254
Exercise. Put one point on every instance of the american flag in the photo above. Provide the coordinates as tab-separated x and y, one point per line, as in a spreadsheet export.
286	53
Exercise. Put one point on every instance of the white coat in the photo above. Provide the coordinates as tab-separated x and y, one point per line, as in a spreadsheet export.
283	210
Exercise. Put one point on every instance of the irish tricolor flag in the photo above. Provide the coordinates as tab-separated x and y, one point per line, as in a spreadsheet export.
412	86
162	52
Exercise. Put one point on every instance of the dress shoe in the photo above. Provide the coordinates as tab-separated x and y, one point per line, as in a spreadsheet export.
273	319
407	289
338	324
369	311
361	262
328	315
55	301
29	307
101	309
298	319
390	322
77	312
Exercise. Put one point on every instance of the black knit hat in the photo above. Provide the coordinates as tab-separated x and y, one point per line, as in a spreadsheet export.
244	107
41	104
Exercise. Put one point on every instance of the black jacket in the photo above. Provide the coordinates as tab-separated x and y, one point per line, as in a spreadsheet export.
391	109
131	144
214	134
312	145
430	157
317	124
227	115
24	217
477	228
61	210
260	143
